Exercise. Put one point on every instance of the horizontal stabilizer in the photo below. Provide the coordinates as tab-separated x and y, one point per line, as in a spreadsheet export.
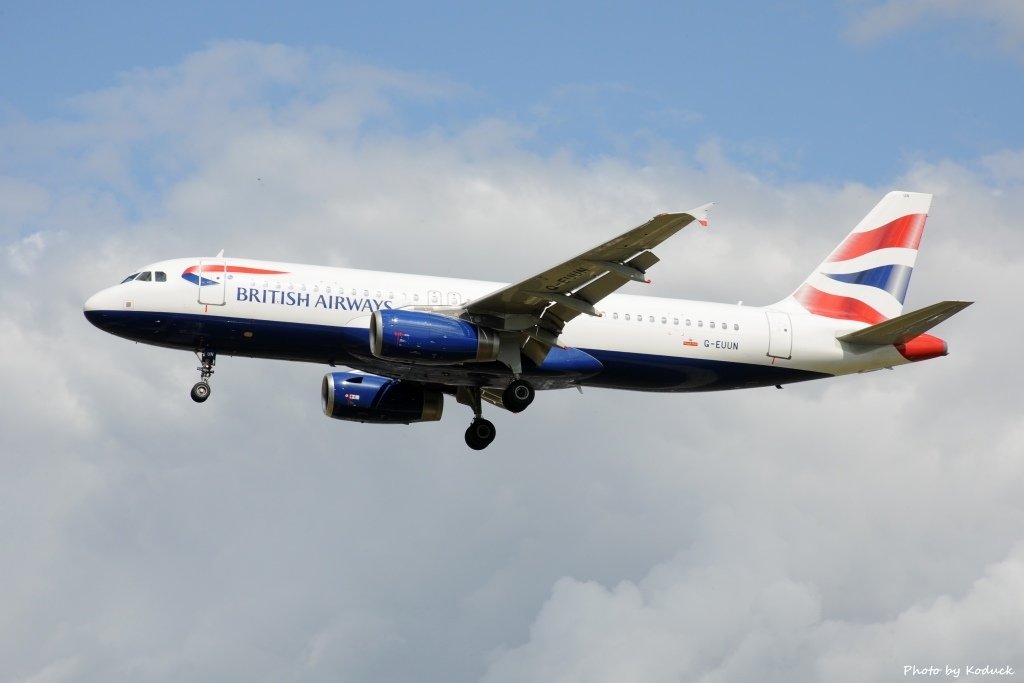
903	328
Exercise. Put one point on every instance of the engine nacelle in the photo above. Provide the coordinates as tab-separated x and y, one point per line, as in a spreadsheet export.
429	338
371	398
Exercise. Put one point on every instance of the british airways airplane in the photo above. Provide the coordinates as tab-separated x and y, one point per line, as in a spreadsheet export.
406	341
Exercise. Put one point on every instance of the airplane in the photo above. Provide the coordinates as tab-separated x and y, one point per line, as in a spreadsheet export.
407	341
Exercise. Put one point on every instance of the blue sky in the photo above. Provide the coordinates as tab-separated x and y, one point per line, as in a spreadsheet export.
837	530
790	88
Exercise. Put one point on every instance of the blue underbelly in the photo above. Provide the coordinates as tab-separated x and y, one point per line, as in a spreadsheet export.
348	346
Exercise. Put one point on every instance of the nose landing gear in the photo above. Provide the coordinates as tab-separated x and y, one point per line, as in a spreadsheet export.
201	389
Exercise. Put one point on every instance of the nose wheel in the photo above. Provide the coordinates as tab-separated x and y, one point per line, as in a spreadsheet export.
201	389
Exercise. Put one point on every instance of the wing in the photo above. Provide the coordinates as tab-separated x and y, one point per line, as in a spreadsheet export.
539	307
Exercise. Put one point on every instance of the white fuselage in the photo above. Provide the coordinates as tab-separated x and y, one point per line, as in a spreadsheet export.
284	310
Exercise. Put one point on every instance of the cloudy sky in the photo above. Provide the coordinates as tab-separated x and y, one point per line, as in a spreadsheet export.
839	530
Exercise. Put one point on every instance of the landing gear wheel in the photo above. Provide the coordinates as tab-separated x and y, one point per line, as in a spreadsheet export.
201	389
480	434
200	392
518	396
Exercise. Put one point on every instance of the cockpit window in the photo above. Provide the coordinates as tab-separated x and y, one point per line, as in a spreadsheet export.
161	276
144	276
129	278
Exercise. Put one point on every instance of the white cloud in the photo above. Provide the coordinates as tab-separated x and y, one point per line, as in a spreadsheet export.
835	527
732	622
1001	20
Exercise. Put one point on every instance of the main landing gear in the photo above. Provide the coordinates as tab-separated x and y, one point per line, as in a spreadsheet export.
201	389
517	396
480	434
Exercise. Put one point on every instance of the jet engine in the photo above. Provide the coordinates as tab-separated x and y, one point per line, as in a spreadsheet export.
424	337
362	397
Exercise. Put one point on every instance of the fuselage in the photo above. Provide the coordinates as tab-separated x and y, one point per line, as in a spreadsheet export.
287	311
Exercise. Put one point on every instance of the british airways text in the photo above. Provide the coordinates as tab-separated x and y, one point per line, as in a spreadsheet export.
306	300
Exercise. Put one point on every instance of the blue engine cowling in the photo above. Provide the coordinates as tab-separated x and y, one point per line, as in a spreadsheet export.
371	398
429	337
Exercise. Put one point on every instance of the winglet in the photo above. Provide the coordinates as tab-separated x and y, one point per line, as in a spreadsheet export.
701	214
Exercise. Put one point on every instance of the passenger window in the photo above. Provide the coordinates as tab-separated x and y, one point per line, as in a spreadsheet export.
639	318
664	320
687	322
675	321
736	327
711	324
615	316
700	323
725	326
145	276
650	318
627	317
161	276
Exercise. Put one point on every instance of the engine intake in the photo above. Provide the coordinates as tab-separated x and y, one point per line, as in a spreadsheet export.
429	337
363	397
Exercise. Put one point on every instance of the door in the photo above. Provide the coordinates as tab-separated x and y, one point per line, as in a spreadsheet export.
780	335
212	282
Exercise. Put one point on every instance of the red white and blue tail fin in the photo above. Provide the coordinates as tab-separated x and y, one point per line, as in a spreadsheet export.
865	278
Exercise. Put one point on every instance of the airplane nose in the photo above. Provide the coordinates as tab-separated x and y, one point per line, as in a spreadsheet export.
97	309
92	312
91	304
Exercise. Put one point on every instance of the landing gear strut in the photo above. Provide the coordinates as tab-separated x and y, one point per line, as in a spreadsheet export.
201	389
481	432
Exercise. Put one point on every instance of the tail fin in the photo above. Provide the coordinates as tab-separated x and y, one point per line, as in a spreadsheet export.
865	278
